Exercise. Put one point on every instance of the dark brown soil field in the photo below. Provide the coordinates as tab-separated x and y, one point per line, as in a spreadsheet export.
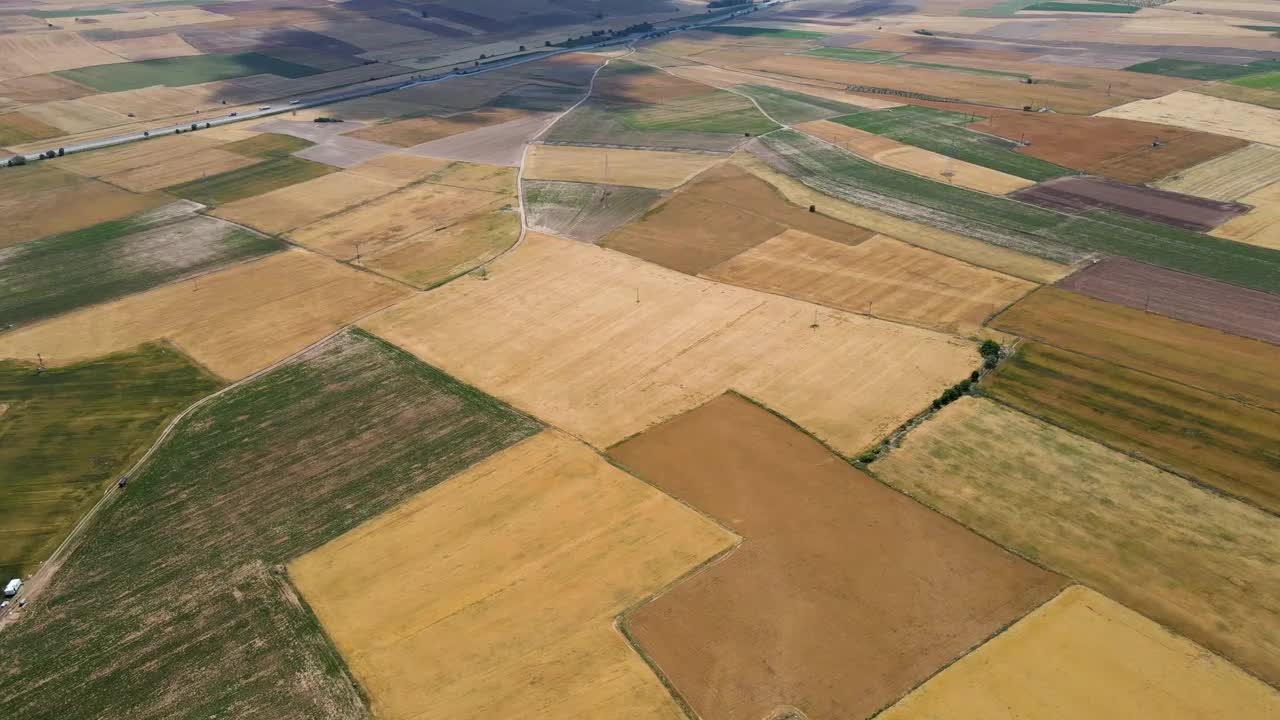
1073	195
1193	299
722	212
1219	442
844	594
1227	365
625	82
1113	147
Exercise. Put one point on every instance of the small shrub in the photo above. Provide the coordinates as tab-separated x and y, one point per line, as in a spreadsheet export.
973	376
937	403
867	456
949	395
964	386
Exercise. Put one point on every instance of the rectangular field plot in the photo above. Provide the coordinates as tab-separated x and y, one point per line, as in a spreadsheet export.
40	200
1195	70
233	322
515	569
1201	357
251	479
1205	565
1211	439
794	107
1261	226
1230	308
881	277
1208	114
716	112
1085	657
722	213
583	211
657	169
1257	96
415	131
42	52
819	538
69	431
183	70
1230	176
250	181
596	123
1074	195
17	128
582	352
59	273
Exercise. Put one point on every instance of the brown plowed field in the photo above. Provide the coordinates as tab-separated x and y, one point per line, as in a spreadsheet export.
415	131
496	591
1193	299
1083	656
1076	194
1201	357
881	276
723	212
844	594
39	200
233	322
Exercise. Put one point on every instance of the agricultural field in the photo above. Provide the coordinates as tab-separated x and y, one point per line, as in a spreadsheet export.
1228	177
41	200
17	128
233	322
415	131
182	70
1204	358
1267	98
881	277
1213	440
489	556
202	530
158	163
70	431
1084	656
1202	70
793	107
501	144
249	181
797	508
583	211
1089	7
655	169
1197	562
59	273
1078	194
582	353
1195	111
1261	226
746	212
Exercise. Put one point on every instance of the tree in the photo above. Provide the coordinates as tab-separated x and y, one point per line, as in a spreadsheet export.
989	348
521	48
62	151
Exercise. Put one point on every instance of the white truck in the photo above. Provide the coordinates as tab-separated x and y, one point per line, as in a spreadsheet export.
13	587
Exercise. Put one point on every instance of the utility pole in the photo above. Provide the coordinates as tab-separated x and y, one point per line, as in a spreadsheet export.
357	253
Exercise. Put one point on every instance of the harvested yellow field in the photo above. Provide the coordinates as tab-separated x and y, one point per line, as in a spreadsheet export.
1230	176
233	322
881	277
307	202
180	169
476	176
724	78
1082	656
74	116
657	169
123	158
1205	113
383	224
149	47
1201	563
1260	226
919	161
960	247
399	170
153	19
604	345
39	200
496	591
433	256
153	102
34	53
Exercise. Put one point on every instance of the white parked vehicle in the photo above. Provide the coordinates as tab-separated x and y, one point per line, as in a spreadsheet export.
13	587
294	102
264	107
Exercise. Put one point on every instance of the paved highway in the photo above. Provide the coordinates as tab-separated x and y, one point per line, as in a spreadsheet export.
316	101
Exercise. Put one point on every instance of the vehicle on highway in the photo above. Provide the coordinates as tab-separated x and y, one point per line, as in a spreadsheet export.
13	587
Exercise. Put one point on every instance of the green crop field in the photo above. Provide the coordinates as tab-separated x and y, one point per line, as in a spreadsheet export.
251	180
1220	442
1193	70
1262	81
853	54
1084	7
584	211
746	31
1006	8
179	71
946	138
268	145
86	12
597	123
716	112
791	107
70	431
176	598
60	273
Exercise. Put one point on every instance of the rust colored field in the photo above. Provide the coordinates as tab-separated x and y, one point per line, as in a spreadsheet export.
414	131
40	200
1230	308
1219	442
657	169
233	322
385	224
628	82
845	594
1261	226
973	251
919	161
1202	564
1207	114
34	53
725	211
1231	366
1076	194
307	202
1230	176
881	277
497	590
604	345
1084	657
